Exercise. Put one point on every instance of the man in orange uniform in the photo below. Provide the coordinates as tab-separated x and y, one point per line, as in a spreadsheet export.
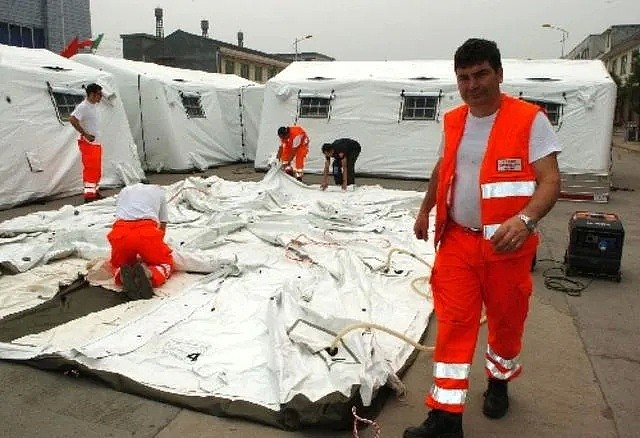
140	260
294	144
497	176
84	119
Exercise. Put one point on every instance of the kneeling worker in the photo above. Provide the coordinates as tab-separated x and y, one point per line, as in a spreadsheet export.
140	259
345	152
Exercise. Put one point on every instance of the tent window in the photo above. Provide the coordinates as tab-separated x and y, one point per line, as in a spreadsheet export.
551	109
419	107
314	107
65	104
192	106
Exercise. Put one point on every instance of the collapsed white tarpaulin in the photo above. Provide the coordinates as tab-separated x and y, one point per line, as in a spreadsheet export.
289	267
184	119
39	154
395	109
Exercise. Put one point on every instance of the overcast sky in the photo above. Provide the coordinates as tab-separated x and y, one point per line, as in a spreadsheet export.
371	29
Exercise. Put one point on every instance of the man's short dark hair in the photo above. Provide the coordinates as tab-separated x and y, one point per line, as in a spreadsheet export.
93	88
326	147
475	51
283	131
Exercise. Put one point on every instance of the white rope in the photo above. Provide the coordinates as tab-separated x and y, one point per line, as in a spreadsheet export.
357	419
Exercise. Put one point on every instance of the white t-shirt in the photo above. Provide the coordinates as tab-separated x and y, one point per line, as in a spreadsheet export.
465	209
142	201
87	115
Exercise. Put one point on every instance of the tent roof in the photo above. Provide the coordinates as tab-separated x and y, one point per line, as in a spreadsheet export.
41	60
424	70
165	73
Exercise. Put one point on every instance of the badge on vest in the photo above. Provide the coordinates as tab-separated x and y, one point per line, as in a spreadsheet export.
510	165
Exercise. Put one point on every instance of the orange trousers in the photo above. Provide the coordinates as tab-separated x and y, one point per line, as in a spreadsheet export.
91	154
467	272
300	155
140	240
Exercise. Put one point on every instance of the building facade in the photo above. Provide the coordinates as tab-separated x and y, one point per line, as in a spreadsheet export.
48	24
616	47
186	50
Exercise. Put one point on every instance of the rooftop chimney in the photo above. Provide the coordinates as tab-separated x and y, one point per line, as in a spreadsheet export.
204	25
240	39
159	25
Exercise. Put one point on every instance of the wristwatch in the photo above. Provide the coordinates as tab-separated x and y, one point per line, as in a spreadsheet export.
528	222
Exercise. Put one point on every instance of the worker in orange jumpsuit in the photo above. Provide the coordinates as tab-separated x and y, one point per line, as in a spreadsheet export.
84	119
497	176
140	259
294	146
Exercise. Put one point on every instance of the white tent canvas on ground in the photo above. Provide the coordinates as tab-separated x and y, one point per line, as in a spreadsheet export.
185	119
39	155
395	109
282	268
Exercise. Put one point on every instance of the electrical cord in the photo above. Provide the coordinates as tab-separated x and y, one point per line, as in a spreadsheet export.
555	278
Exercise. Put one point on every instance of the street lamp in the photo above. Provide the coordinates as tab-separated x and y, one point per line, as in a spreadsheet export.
296	41
565	34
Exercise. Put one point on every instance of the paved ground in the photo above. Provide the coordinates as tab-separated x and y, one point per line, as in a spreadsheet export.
582	356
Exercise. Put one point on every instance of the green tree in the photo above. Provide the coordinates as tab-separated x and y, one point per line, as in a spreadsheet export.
632	85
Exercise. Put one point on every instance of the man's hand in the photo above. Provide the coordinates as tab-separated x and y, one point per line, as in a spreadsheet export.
325	182
421	226
510	235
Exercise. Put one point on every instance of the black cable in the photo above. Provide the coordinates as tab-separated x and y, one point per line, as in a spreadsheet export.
555	278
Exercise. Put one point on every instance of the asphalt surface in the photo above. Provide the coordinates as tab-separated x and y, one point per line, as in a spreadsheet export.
581	354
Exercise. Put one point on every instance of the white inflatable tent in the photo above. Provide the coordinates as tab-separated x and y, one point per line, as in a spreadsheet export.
184	119
394	109
38	147
275	271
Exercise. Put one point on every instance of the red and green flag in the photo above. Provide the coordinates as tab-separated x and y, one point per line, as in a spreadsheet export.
76	44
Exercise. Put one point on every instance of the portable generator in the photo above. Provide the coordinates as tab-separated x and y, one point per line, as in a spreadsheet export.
595	245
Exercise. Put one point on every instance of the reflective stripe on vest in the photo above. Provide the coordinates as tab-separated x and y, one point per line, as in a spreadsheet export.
508	189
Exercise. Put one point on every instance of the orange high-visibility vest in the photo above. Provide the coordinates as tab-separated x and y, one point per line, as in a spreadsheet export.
295	131
507	179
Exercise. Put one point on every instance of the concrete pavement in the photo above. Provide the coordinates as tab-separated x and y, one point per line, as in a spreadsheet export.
581	356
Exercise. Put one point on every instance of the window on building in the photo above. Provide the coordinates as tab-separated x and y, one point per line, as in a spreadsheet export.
244	70
419	107
553	110
272	72
21	36
192	105
65	103
257	74
623	65
314	107
229	67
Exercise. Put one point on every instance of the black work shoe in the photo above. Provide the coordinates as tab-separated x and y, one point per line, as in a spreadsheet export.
135	282
299	178
439	424
496	399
